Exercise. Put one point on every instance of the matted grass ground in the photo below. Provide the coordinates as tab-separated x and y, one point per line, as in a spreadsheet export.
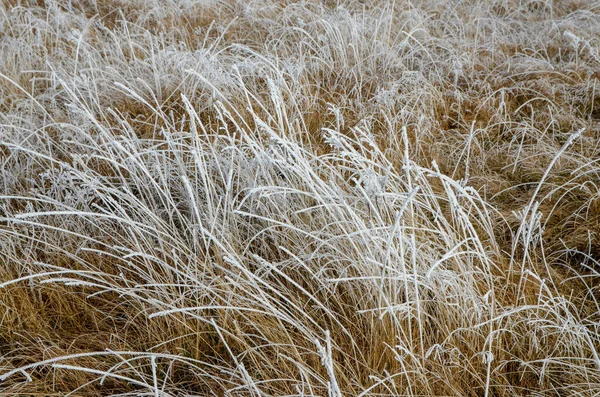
279	198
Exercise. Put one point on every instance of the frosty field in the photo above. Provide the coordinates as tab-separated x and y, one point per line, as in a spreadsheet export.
341	198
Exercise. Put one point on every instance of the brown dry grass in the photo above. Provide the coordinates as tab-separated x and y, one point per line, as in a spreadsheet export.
299	198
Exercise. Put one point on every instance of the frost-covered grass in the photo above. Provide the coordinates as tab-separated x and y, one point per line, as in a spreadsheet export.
311	198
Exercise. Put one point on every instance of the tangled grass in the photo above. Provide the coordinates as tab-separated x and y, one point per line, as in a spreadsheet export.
299	198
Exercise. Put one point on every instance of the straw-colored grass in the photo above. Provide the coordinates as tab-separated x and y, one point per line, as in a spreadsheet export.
299	198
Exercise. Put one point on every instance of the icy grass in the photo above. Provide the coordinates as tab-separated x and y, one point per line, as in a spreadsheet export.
268	199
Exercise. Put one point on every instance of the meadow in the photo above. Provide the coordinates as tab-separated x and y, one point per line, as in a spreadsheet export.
341	198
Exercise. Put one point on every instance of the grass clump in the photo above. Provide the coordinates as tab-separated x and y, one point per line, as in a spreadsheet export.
279	198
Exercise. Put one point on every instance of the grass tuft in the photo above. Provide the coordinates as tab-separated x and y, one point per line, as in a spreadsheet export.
279	198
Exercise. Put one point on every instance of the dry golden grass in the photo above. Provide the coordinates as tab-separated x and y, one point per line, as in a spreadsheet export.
316	198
